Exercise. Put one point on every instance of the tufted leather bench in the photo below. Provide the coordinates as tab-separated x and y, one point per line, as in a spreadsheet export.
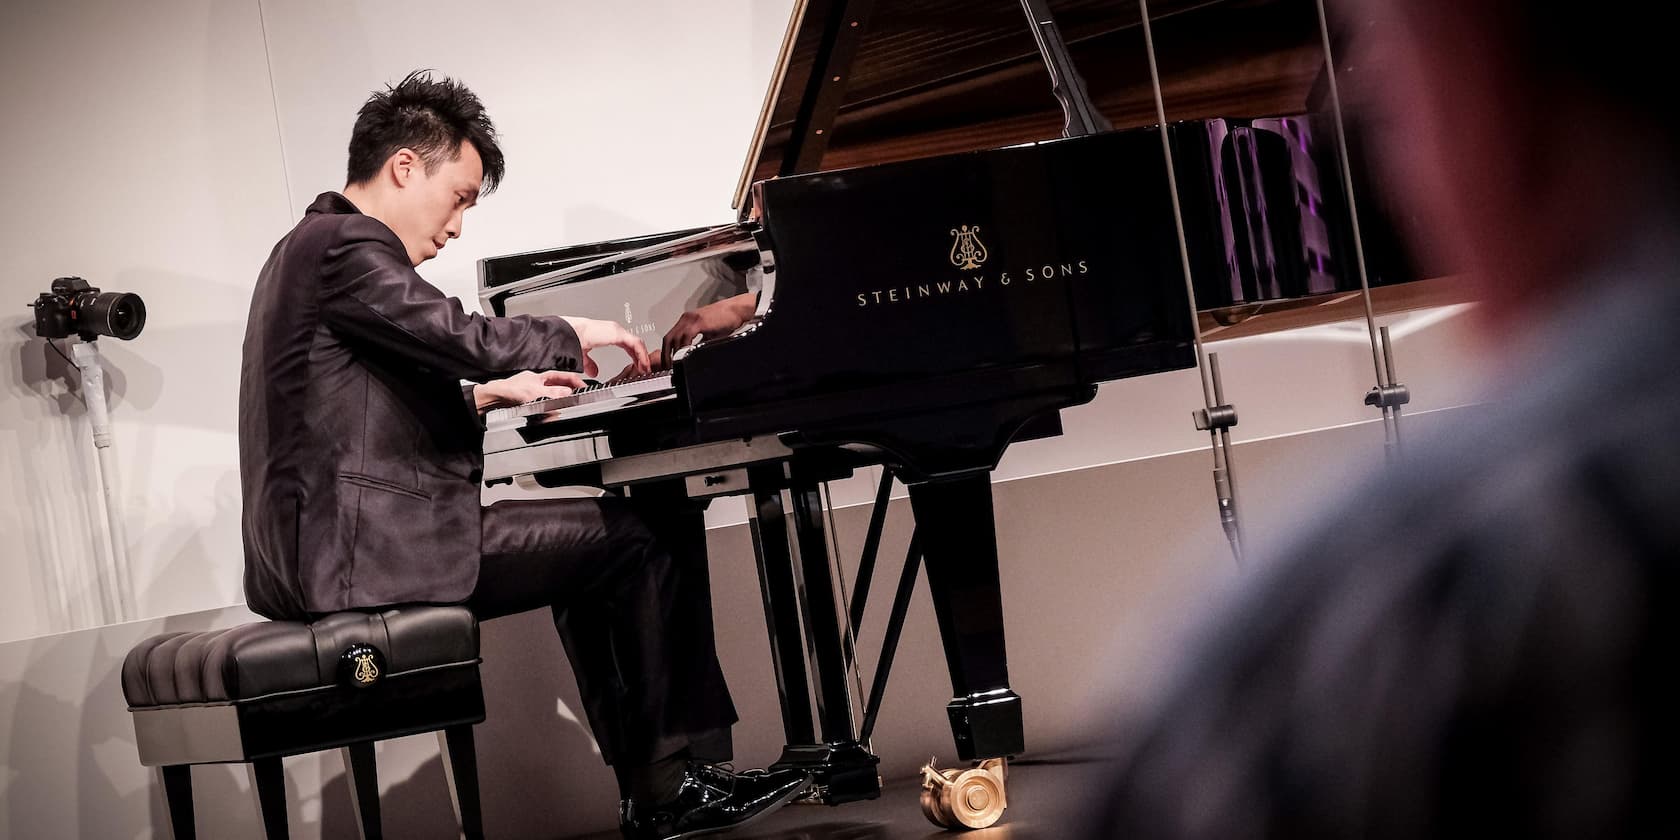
258	692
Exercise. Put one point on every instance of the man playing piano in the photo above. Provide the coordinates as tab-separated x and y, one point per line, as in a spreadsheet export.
360	458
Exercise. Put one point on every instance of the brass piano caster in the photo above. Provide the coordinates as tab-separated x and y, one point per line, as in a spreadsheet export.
963	799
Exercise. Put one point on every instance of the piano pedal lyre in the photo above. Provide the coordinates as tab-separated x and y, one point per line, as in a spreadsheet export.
959	799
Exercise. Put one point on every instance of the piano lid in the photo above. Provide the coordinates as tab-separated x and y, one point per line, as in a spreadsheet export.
862	82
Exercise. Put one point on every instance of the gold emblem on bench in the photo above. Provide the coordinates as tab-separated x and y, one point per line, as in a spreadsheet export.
361	666
366	671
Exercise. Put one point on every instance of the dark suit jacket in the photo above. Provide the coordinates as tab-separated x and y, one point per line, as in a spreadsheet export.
359	453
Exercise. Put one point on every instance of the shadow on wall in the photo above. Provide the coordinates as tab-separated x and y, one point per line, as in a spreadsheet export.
72	766
535	746
52	521
191	540
45	770
180	508
44	370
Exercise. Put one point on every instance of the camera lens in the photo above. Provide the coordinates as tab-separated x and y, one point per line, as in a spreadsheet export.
116	314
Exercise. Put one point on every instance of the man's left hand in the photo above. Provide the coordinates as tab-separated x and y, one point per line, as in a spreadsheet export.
525	386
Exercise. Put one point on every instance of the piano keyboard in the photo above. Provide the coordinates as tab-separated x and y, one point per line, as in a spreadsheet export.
588	400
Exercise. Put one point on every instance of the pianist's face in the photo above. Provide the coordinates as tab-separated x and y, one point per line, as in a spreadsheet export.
429	206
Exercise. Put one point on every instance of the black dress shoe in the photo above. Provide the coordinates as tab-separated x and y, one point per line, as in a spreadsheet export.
711	799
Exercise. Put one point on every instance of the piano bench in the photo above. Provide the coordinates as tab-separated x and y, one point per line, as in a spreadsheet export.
258	692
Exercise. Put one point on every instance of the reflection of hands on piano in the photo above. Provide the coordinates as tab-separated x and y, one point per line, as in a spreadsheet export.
524	387
594	333
708	322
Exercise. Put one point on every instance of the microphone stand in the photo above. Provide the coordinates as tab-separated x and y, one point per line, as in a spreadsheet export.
1388	395
1216	417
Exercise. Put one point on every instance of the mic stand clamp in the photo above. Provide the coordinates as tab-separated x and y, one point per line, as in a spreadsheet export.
1387	396
1217	419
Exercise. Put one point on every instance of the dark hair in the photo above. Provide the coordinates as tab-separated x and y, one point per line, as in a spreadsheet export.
431	116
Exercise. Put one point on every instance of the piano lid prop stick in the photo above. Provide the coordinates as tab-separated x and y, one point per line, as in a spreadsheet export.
1079	115
1215	417
1388	395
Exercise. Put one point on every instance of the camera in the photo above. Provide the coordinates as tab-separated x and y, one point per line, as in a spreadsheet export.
74	306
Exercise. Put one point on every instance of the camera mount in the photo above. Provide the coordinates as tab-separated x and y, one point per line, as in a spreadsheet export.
74	307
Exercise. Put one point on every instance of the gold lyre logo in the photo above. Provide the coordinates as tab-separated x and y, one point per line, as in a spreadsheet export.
967	251
366	671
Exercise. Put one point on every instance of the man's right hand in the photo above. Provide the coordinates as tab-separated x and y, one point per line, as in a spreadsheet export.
594	333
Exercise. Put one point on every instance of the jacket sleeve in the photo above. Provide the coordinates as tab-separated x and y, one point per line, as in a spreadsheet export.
370	293
471	404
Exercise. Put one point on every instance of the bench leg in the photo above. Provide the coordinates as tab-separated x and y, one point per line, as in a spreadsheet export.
177	791
364	788
269	779
460	764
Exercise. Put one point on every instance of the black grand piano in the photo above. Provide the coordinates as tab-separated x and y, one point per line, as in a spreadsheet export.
947	250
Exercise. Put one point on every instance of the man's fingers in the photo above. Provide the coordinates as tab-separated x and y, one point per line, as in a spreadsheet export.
633	345
566	378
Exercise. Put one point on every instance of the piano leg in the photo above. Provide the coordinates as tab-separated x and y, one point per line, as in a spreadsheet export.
954	523
843	770
781	608
822	618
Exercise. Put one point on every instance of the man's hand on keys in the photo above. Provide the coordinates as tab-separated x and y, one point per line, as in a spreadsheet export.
525	386
594	333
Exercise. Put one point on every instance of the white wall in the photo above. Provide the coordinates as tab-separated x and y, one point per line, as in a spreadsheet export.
140	153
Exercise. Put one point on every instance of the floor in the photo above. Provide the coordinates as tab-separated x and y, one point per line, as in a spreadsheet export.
1044	800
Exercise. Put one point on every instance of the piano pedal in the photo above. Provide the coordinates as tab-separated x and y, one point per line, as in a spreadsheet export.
813	795
959	800
839	792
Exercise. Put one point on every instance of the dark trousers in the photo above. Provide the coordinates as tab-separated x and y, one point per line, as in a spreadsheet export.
629	587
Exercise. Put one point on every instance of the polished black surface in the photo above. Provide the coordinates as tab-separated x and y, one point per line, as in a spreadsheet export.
1265	215
880	331
496	272
956	534
710	799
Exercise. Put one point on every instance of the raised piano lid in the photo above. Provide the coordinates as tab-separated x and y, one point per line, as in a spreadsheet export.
502	271
588	262
864	82
860	83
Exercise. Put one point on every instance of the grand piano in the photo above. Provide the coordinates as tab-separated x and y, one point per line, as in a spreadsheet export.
950	243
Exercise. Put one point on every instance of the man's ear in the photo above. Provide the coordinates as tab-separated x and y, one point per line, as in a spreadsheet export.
405	165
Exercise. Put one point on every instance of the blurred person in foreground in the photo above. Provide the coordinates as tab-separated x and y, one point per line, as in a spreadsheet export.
1482	647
